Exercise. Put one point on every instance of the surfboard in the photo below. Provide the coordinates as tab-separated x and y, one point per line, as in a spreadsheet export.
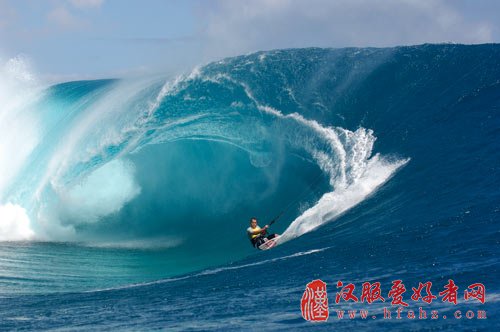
269	243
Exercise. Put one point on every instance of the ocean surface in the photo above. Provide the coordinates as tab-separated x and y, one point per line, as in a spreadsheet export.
124	202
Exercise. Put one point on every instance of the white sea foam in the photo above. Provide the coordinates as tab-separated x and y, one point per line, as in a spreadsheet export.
104	123
333	204
354	174
19	128
227	268
19	135
15	224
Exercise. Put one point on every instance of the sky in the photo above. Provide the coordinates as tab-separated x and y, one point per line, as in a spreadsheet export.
64	40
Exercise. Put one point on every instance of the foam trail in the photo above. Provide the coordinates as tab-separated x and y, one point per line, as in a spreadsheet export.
353	174
334	203
297	254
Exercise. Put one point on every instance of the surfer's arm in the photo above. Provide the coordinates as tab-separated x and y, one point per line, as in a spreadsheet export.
258	231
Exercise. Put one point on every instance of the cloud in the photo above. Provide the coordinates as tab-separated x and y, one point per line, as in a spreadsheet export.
239	27
63	17
86	3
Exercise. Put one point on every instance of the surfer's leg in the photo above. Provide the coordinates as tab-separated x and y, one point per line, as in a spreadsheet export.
258	241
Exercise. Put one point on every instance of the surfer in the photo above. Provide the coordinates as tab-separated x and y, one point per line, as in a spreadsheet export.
257	235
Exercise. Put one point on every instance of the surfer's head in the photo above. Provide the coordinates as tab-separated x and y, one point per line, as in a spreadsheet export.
253	222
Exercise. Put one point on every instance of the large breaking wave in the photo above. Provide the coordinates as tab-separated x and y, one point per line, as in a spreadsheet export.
174	159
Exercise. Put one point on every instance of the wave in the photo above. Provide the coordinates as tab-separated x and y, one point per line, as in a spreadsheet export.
80	174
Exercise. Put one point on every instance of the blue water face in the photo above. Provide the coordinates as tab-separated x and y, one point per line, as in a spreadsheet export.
385	162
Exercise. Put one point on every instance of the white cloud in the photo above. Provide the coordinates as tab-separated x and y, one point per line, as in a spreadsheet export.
86	3
67	18
236	27
63	17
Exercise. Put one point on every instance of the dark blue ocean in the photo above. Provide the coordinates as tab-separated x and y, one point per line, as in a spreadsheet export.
124	203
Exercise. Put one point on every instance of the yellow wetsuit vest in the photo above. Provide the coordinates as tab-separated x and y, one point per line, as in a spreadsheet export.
250	230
